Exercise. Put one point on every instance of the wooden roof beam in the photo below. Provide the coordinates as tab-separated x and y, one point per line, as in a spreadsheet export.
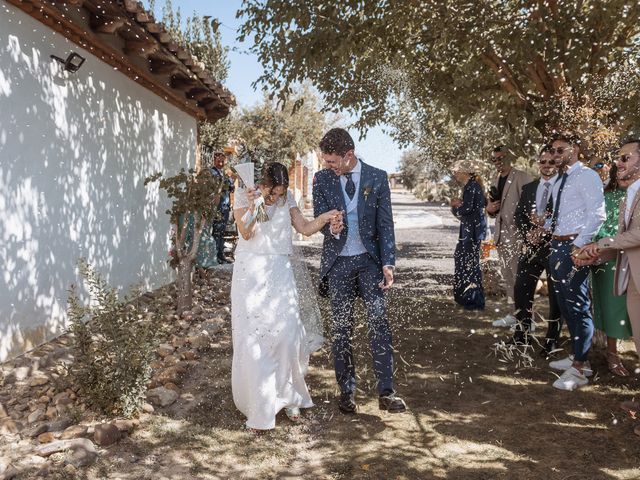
180	82
139	47
162	66
106	24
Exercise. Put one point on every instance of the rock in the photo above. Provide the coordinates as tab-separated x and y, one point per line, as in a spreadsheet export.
69	469
37	430
172	386
170	360
83	456
49	449
147	408
106	434
10	427
212	327
51	413
62	397
188	355
44	399
3	411
199	342
46	437
125	426
59	425
177	342
164	350
74	431
38	381
171	375
9	473
36	416
162	396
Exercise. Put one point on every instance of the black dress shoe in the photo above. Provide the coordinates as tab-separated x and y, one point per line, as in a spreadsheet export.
347	404
392	403
548	346
519	339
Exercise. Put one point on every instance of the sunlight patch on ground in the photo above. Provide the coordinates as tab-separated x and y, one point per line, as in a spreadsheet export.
624	474
478	455
582	415
511	380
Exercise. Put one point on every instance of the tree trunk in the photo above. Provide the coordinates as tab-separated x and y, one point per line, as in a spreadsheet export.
183	281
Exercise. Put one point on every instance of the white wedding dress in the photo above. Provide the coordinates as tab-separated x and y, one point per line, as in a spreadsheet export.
271	346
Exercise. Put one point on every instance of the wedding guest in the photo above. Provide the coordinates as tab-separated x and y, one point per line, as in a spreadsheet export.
224	205
533	204
625	245
609	310
206	256
578	213
467	279
503	199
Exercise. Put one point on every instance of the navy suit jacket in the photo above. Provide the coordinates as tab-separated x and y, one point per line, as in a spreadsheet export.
375	218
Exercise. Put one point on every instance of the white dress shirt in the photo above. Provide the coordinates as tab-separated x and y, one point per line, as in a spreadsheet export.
540	208
581	209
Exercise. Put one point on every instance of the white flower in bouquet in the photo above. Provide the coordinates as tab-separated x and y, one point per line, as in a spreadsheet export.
246	173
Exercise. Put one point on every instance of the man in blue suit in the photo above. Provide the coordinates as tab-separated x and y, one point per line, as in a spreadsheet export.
224	206
358	258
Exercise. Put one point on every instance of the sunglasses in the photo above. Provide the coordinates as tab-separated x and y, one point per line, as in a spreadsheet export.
559	150
551	161
598	166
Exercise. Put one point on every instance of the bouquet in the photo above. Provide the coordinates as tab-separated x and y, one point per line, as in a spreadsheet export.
246	171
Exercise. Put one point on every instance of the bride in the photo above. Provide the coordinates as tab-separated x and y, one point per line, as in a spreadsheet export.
271	346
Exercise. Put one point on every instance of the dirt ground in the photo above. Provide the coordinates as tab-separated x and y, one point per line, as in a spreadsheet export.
471	415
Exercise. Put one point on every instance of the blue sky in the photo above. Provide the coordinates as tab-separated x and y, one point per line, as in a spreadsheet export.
377	148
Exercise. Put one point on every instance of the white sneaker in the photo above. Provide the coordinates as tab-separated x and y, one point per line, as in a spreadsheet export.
570	380
506	321
566	363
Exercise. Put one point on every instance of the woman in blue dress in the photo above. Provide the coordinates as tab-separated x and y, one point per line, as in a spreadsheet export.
467	278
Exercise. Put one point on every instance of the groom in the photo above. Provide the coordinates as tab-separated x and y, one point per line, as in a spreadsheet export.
358	258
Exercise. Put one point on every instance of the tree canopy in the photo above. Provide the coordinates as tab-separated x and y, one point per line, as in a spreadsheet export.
429	68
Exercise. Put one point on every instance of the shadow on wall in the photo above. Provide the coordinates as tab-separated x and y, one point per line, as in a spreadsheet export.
75	150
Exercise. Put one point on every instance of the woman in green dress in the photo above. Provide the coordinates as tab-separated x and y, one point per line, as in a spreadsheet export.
610	311
207	257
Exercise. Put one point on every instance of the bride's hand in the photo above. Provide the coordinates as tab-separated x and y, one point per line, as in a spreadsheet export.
328	216
252	195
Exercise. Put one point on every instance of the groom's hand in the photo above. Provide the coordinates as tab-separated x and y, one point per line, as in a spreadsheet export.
388	278
337	225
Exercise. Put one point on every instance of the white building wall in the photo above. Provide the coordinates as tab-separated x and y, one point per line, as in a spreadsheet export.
74	152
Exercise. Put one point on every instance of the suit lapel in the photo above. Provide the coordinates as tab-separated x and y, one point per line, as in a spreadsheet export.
634	205
507	185
621	212
364	181
336	189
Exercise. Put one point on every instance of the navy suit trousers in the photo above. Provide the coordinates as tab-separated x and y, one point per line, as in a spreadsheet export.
348	277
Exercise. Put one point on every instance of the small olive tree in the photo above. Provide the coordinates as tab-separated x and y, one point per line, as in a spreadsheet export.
192	194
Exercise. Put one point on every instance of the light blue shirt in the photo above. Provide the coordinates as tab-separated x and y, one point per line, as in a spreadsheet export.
581	209
353	246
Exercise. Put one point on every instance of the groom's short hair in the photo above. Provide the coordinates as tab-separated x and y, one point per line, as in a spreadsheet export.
337	140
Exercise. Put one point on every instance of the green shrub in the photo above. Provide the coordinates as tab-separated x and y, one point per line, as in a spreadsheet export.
113	344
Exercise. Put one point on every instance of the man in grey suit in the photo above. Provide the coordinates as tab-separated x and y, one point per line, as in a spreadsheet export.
358	258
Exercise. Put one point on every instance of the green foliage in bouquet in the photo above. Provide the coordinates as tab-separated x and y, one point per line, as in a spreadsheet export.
113	344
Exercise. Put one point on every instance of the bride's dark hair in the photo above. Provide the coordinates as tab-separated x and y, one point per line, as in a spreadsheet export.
275	175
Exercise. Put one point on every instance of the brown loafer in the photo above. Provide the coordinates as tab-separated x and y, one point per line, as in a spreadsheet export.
392	403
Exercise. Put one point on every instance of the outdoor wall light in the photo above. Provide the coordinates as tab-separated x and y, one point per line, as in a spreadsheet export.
72	63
